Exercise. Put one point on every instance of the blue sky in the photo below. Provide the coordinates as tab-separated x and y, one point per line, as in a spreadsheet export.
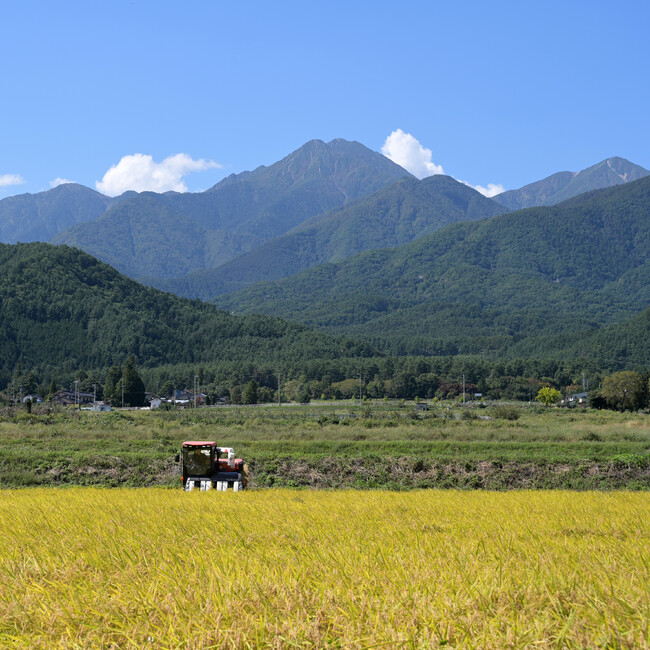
501	92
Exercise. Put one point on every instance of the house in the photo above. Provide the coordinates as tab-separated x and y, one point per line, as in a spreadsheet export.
71	398
181	397
575	399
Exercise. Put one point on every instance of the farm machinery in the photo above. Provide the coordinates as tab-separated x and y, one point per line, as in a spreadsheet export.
205	466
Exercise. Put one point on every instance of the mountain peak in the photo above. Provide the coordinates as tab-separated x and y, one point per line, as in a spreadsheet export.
314	143
565	185
337	154
235	215
38	217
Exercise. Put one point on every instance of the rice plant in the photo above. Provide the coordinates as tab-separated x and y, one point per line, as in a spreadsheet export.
156	568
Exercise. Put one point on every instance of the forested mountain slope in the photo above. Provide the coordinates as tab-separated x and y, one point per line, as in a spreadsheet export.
565	185
484	285
39	217
171	234
394	215
61	308
623	345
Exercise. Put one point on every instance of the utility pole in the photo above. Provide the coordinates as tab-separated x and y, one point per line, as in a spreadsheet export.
76	393
122	390
360	389
463	388
279	399
94	394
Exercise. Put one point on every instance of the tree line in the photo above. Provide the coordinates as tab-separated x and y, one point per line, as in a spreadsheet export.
372	378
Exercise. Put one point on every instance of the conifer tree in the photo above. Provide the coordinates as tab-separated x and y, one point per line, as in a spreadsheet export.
235	395
133	384
250	392
113	386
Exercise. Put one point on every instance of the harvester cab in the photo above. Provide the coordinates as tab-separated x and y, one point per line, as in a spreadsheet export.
206	467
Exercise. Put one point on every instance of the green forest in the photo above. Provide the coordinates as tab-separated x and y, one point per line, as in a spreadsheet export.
394	215
537	282
62	311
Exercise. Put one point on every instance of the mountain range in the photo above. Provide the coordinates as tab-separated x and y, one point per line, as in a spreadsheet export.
394	215
341	239
322	203
172	234
564	281
489	284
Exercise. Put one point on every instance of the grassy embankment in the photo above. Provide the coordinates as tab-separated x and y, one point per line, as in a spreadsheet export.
336	446
88	568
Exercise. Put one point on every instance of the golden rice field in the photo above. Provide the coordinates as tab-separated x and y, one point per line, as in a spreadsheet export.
156	568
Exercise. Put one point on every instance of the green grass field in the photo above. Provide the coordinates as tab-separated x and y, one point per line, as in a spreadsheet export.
335	446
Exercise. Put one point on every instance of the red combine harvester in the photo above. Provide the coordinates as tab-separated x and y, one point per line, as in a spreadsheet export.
206	466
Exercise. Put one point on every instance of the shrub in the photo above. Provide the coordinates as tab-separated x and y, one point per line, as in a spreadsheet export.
505	412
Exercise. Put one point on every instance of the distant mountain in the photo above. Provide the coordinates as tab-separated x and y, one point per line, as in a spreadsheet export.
313	179
147	233
171	234
565	185
39	217
62	310
485	285
394	215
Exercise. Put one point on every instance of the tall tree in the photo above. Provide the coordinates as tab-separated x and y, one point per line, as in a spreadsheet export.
133	384
303	394
166	389
250	392
29	383
52	388
113	386
624	391
235	395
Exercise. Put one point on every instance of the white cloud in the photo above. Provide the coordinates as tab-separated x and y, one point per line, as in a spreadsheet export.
491	190
403	149
11	179
59	181
141	173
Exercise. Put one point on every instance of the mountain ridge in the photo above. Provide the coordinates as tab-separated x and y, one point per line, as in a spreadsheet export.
393	215
30	217
238	213
561	186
